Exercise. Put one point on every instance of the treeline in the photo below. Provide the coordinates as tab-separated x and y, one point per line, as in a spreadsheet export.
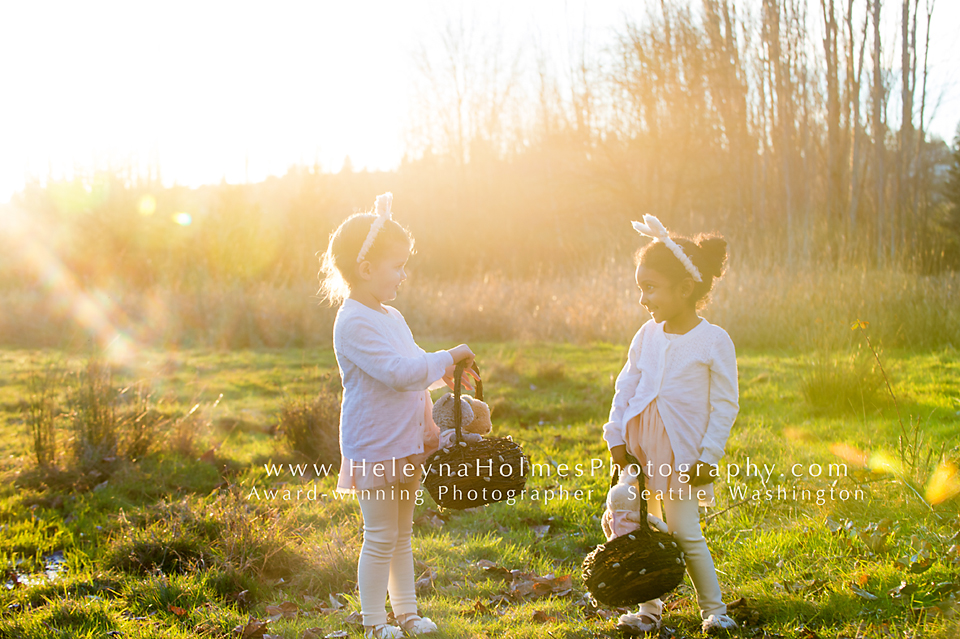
781	122
709	115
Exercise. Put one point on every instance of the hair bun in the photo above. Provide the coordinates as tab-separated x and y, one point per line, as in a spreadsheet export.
713	248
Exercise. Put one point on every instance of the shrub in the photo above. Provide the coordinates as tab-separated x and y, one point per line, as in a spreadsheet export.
41	410
228	532
310	426
838	382
94	414
139	423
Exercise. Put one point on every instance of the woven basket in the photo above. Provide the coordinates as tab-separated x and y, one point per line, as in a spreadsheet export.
635	567
472	474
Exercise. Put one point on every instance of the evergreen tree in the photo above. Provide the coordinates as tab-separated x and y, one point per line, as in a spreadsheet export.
952	187
951	215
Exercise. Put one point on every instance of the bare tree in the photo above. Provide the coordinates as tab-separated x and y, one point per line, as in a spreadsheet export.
878	100
854	79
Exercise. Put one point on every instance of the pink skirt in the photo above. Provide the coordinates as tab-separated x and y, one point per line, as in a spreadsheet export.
647	440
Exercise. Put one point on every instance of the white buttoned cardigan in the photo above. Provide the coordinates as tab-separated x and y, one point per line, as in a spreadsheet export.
693	377
385	377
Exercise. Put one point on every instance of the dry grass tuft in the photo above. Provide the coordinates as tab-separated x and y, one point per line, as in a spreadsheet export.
310	426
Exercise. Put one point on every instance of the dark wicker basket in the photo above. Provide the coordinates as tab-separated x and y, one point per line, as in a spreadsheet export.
635	567
472	474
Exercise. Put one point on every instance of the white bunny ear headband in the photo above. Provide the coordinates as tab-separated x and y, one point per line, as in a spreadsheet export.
383	214
652	227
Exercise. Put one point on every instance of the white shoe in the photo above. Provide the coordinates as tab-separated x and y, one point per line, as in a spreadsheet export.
716	623
634	622
417	625
383	631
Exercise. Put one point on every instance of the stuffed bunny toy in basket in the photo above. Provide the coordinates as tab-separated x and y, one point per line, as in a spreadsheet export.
623	513
475	419
636	565
469	470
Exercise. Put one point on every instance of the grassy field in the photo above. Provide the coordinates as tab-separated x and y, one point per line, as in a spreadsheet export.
173	542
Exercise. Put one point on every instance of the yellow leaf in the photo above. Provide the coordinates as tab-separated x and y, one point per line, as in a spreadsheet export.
944	483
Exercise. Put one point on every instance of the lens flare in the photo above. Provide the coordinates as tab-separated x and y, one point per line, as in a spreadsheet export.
884	463
850	454
944	484
94	311
148	205
183	219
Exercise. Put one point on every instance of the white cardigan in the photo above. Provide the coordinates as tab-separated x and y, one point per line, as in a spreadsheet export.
385	377
693	377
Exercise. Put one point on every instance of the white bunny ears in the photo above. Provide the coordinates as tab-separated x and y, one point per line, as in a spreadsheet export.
652	227
383	214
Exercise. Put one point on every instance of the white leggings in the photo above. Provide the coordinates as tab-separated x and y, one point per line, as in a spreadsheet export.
683	518
386	558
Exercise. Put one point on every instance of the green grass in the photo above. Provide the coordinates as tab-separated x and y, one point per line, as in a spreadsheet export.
170	546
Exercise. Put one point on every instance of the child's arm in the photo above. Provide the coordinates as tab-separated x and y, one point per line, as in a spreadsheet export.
363	345
724	398
625	387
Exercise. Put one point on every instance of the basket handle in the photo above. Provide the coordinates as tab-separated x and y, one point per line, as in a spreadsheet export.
478	394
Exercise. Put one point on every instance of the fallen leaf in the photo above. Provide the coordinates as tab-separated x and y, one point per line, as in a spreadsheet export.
863	593
743	612
286	610
478	608
875	541
540	531
425	582
946	609
430	518
354	618
953	554
253	629
946	589
500	600
336	634
677	602
532	585
177	610
540	616
312	633
493	569
606	614
903	590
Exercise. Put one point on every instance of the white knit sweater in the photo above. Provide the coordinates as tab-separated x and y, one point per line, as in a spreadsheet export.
694	380
385	378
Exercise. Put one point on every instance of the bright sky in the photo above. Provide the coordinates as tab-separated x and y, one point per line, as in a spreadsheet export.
214	90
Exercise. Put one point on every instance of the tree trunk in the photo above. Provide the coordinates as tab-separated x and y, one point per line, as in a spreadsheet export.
878	132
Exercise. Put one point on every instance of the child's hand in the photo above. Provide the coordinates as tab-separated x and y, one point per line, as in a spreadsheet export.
461	353
702	474
466	380
619	455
